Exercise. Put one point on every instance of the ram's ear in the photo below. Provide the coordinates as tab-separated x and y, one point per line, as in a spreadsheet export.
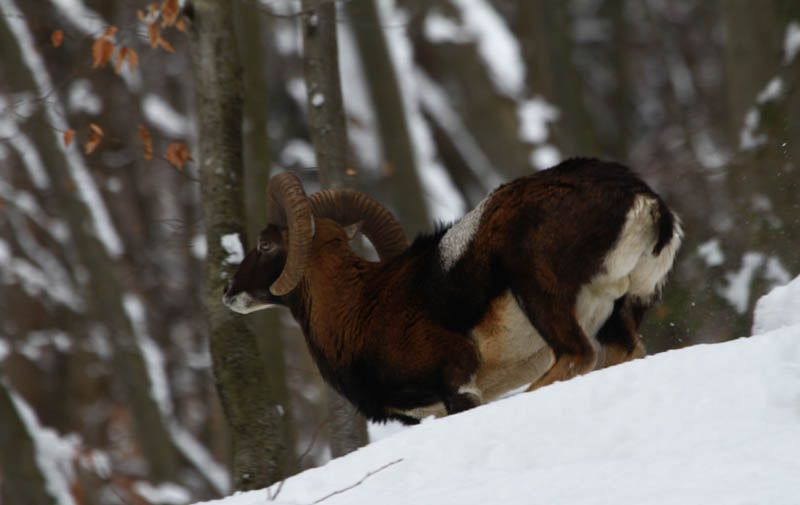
352	229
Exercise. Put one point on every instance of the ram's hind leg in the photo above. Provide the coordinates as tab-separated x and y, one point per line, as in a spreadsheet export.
619	335
556	322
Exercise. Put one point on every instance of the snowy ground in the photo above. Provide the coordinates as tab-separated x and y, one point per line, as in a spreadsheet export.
710	424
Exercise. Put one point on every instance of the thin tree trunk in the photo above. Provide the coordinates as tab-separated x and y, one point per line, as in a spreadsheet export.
398	151
253	29
255	420
328	128
544	30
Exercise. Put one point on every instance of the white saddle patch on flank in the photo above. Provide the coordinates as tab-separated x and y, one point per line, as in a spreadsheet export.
455	241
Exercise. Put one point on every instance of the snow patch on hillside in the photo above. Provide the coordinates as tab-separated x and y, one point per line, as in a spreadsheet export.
707	424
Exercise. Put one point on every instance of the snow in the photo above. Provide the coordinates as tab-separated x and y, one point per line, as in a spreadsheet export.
232	245
160	114
435	102
159	384
748	139
199	456
318	99
711	252
776	272
26	204
362	125
772	91
36	341
80	98
34	281
5	349
501	54
54	454
778	309
534	116
737	290
153	358
81	17
440	28
199	247
446	204
10	132
298	153
791	42
545	156
706	424
497	46
707	152
166	493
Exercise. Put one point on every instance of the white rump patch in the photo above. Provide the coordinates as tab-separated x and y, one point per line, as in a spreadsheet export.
455	241
629	267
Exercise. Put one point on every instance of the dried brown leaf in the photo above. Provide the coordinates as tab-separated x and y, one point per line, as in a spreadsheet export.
170	11
144	134
92	143
153	34
181	25
121	55
57	37
133	59
178	154
166	45
68	136
141	14
350	171
102	50
96	129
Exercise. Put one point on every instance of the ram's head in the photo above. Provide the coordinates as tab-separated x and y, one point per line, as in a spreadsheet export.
278	262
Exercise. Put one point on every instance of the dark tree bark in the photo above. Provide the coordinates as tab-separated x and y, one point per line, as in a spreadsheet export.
328	129
254	418
545	33
253	28
384	90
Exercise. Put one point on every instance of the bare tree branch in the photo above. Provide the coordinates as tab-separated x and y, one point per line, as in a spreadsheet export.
361	481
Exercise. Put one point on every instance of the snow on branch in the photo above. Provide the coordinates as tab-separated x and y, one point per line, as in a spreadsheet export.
54	454
184	441
10	132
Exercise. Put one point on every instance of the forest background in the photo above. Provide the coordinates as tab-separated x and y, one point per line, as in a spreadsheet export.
117	228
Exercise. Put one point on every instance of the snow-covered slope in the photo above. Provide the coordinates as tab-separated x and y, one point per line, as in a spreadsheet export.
707	424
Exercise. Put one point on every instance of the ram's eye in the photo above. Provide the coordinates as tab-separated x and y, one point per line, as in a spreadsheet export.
265	246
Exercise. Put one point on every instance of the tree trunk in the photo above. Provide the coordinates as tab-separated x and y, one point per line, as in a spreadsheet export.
255	420
328	129
544	30
400	163
253	29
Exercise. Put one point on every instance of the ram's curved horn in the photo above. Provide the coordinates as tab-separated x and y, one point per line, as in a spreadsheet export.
289	206
377	223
